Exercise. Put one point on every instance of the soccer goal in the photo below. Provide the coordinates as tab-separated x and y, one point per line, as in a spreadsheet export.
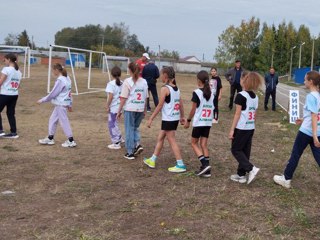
83	68
111	61
22	52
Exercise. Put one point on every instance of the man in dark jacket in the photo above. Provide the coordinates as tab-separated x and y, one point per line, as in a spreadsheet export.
271	80
150	73
233	77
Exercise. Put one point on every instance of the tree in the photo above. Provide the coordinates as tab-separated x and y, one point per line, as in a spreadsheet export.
23	39
134	45
11	39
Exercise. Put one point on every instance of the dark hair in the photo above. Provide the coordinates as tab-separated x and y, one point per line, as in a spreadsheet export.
236	61
12	58
214	69
170	73
116	73
313	76
134	68
61	69
203	76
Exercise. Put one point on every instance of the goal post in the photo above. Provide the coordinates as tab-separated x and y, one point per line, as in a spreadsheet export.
111	61
73	75
26	61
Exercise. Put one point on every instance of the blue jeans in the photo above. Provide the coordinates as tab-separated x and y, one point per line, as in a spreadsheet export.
300	144
132	122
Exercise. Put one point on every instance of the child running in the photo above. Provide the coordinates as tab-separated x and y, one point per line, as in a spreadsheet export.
10	79
243	126
60	97
309	131
113	90
171	107
133	96
216	88
202	111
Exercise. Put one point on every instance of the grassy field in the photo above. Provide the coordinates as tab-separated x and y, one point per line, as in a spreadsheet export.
93	193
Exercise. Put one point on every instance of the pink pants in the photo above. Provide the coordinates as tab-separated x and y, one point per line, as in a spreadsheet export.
59	114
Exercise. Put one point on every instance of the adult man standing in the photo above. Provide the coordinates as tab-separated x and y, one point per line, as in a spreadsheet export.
233	77
150	73
142	62
271	80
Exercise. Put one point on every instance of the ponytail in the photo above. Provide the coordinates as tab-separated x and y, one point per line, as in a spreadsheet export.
116	73
203	76
169	71
61	69
12	58
134	68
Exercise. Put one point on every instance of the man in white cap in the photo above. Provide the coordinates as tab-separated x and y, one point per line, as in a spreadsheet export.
142	62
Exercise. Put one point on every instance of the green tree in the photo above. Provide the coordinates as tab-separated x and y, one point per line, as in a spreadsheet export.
23	39
134	45
11	39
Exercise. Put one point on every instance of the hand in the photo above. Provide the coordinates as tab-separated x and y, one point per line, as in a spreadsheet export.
316	142
219	98
231	133
186	125
149	123
69	109
118	115
182	121
299	121
107	109
39	101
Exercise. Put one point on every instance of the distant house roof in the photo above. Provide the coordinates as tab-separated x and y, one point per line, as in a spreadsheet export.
190	59
10	50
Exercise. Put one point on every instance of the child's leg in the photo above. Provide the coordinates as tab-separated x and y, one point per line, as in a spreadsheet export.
204	146
237	148
160	142
301	142
114	130
195	146
53	122
171	135
216	110
315	152
129	130
64	121
137	120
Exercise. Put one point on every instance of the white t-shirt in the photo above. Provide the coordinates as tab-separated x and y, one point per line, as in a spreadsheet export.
136	94
171	111
248	116
203	116
11	84
113	88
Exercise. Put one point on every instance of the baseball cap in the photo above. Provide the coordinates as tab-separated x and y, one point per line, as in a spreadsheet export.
146	55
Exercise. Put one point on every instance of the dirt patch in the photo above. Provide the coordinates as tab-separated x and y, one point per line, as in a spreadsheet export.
91	192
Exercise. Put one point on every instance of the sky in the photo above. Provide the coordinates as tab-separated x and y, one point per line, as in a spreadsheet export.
190	27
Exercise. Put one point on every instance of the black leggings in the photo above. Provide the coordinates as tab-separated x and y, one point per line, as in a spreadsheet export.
9	102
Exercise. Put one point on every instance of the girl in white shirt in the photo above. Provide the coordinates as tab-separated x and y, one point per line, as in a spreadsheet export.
9	84
170	104
113	90
243	126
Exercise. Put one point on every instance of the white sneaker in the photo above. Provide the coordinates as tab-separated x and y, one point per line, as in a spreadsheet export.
69	144
252	174
46	141
2	133
237	178
281	180
114	146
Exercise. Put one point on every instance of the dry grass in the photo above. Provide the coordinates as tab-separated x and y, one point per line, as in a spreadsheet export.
92	193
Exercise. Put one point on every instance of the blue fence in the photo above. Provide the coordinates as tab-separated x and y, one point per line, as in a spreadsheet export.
299	73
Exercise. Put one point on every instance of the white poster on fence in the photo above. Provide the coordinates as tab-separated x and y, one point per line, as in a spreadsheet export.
293	105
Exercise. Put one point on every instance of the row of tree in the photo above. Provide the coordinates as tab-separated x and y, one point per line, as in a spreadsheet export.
21	39
258	49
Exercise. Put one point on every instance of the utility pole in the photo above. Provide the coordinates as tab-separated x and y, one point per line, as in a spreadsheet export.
300	54
159	56
312	53
290	71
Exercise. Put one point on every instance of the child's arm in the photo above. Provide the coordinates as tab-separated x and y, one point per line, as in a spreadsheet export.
122	102
163	93
57	88
182	120
110	97
235	120
314	120
191	115
220	94
3	77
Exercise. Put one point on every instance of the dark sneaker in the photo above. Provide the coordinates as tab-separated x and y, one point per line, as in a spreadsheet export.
129	156
10	135
207	174
202	170
138	150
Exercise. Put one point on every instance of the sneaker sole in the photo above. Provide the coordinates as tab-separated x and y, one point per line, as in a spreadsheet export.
254	177
148	165
238	180
15	137
204	171
179	171
205	175
46	143
130	158
140	150
69	146
115	148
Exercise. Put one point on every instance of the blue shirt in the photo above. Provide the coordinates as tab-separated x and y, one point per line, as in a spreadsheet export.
311	106
237	76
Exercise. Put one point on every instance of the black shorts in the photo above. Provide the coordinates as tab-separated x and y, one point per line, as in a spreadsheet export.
169	125
198	132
